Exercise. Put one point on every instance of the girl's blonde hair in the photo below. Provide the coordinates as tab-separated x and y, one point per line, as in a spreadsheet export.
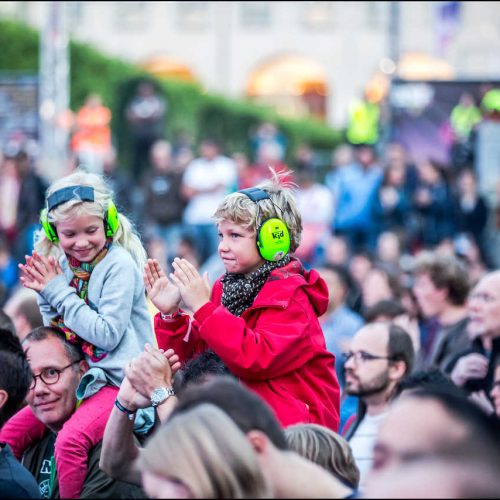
325	448
240	209
125	236
205	450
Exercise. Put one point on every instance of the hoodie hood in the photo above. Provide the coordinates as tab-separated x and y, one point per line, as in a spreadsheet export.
283	282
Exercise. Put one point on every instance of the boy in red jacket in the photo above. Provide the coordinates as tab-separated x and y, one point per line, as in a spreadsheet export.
261	317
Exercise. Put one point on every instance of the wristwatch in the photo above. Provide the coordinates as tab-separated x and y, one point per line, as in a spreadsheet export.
160	395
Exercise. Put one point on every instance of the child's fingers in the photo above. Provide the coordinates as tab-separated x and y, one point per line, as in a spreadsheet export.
148	276
179	272
206	279
187	268
177	282
32	273
39	266
157	270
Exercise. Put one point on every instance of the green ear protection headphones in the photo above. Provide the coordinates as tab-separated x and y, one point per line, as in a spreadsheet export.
83	193
273	237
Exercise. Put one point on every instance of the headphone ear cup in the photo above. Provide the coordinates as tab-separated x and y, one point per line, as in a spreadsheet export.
273	239
112	221
48	228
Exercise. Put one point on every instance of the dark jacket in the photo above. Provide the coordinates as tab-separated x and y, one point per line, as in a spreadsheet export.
163	203
478	384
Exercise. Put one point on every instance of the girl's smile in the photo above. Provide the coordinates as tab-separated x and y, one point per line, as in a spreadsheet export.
82	237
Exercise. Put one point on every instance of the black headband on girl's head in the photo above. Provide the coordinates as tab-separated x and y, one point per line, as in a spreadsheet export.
83	193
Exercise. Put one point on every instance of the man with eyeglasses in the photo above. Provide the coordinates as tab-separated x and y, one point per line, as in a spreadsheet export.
381	354
473	369
57	367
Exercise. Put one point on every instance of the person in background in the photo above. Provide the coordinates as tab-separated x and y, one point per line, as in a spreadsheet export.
205	182
470	209
91	139
326	448
201	454
58	366
441	286
8	270
354	188
163	200
31	200
15	379
434	423
23	308
473	369
380	356
146	116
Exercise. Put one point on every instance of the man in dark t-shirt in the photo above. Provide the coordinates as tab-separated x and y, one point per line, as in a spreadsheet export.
39	459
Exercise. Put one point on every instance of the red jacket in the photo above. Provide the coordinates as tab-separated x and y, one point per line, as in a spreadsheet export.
276	347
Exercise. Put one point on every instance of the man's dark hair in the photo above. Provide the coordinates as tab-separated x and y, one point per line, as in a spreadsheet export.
482	437
248	410
445	271
15	373
6	322
431	378
389	308
73	350
342	273
197	369
400	347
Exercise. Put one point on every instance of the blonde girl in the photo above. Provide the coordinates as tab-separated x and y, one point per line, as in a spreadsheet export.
86	269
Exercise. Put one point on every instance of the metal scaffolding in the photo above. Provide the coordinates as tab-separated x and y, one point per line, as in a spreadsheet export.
54	91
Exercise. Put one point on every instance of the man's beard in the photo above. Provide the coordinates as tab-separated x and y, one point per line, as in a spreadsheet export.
376	386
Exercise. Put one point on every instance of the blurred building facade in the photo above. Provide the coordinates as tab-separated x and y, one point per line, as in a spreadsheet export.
311	57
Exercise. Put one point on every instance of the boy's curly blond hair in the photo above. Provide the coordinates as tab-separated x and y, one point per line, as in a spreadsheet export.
240	209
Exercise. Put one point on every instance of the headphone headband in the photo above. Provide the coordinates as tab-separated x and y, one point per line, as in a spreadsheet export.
255	194
83	193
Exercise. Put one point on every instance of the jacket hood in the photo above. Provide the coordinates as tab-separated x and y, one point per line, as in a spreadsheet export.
297	276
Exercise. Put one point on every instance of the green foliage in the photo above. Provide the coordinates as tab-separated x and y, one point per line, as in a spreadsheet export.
191	110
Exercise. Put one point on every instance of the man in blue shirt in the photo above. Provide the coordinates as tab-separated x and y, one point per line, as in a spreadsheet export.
354	187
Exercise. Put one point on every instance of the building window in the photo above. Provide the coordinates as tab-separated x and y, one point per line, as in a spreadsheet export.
377	14
131	15
255	14
192	15
317	15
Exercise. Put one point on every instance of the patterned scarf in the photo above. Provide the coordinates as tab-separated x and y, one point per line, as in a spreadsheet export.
239	292
80	282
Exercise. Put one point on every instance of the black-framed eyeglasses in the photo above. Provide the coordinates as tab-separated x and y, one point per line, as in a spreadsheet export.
50	376
362	356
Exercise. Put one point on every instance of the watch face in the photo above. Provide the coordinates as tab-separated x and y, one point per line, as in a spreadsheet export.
160	394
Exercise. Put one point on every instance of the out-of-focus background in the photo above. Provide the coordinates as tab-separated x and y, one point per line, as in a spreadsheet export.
155	94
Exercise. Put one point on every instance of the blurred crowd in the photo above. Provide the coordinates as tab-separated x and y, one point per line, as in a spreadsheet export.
408	251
